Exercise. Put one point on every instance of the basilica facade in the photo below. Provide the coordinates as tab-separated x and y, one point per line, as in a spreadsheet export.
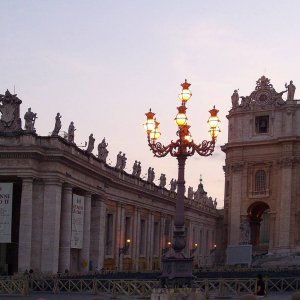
262	170
64	208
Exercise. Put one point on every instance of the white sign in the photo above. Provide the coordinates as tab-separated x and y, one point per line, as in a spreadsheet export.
77	221
6	194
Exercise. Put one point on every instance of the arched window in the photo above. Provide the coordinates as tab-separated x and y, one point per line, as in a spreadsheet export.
260	181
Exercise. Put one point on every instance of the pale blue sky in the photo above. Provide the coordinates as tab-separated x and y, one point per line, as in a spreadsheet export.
102	64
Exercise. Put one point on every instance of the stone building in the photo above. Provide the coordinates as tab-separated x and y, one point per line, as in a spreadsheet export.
66	208
262	170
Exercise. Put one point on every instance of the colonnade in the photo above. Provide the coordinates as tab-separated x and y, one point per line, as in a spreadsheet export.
46	226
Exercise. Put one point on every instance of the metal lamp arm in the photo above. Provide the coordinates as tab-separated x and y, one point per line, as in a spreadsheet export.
206	148
159	149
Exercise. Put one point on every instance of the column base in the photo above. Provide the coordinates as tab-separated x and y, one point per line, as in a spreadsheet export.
177	272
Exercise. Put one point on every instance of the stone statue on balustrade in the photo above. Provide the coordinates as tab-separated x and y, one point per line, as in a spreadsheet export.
245	233
162	181
138	170
57	125
102	150
10	112
235	99
173	184
291	90
119	161
190	193
135	168
151	175
215	203
91	144
71	132
30	118
123	162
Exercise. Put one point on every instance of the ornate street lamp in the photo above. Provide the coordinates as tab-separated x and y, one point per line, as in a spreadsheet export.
177	268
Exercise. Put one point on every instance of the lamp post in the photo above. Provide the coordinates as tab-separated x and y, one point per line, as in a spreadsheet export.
177	268
123	250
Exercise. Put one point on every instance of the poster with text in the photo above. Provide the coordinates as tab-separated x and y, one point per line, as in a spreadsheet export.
6	194
77	221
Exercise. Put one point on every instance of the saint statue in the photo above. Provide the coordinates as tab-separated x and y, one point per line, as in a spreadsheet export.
119	160
102	150
138	170
291	90
162	181
57	126
71	131
173	184
151	175
134	168
91	143
245	232
123	162
190	192
235	99
30	118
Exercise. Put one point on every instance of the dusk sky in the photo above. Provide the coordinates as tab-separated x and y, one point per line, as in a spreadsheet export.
102	64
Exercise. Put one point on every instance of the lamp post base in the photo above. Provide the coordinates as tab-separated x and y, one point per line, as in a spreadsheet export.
177	272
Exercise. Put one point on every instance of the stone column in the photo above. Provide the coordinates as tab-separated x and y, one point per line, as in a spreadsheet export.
149	249
37	224
25	231
118	236
84	253
138	234
163	242
236	198
134	238
65	229
285	206
98	217
122	236
51	226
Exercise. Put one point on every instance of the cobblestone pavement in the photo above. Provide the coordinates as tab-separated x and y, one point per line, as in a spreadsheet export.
43	296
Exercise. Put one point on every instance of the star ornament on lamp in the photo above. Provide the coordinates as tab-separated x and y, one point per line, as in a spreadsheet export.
182	148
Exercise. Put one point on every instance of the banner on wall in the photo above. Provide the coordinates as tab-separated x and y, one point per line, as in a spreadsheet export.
6	194
77	221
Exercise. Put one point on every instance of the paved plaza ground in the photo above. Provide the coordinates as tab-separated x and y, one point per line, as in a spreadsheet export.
43	296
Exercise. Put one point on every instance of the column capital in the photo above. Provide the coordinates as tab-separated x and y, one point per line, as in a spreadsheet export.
67	186
53	181
28	179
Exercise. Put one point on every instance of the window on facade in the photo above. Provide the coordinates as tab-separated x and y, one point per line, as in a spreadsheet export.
109	234
142	237
156	239
260	181
262	124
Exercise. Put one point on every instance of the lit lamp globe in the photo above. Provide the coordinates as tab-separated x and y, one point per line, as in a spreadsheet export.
181	118
213	122
149	125
214	132
155	134
185	94
188	137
